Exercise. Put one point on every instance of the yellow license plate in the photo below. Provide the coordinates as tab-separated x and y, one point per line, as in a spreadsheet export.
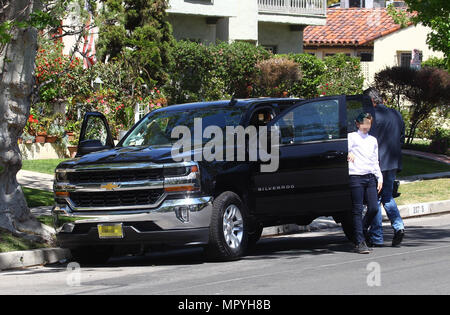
110	230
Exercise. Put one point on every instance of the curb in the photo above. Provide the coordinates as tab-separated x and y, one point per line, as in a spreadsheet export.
29	258
413	178
323	223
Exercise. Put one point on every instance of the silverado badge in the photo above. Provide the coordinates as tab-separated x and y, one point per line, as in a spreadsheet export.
109	186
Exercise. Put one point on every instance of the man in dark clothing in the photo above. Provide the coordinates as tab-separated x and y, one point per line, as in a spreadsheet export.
390	134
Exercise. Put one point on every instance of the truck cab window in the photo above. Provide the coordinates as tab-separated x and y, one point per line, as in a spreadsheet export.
314	121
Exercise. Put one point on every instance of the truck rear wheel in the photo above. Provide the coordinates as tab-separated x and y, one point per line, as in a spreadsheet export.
228	235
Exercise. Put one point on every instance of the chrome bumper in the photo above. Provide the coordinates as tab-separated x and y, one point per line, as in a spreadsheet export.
175	214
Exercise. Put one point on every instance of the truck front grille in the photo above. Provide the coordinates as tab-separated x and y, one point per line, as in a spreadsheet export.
115	176
116	198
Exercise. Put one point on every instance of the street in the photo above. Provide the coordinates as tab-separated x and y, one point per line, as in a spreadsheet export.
308	263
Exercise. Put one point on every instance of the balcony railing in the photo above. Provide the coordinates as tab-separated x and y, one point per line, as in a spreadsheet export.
294	7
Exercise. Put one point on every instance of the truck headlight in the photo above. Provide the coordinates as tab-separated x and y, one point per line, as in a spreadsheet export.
61	176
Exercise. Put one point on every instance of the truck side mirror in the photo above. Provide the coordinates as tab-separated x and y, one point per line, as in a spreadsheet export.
95	134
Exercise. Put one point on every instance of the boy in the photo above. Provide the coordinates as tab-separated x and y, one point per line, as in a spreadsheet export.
366	179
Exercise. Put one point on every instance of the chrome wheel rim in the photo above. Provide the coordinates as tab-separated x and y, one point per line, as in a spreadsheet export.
233	226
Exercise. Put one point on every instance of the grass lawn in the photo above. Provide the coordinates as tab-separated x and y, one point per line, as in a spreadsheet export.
9	243
414	166
41	166
424	191
38	198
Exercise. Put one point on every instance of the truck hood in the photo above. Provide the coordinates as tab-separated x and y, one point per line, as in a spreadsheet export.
155	154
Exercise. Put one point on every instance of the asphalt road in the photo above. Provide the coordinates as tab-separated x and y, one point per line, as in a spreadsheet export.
309	263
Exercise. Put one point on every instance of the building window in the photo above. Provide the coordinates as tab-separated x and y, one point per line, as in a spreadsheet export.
200	1
405	59
365	56
272	49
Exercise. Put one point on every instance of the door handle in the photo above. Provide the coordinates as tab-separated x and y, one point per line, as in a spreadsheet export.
333	155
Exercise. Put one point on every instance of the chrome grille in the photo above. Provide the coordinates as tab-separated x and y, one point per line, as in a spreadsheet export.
115	176
124	198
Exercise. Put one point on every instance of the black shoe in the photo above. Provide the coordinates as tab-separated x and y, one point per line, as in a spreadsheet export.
398	237
362	248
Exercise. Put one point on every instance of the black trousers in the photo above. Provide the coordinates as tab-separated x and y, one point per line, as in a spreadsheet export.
363	188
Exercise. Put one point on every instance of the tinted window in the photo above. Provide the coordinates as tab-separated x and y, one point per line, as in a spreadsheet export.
313	121
356	105
96	130
156	129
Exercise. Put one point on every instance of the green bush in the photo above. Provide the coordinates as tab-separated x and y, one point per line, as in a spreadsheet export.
191	74
342	76
436	62
440	141
312	69
203	73
236	64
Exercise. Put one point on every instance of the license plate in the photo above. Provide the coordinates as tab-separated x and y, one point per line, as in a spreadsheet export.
110	230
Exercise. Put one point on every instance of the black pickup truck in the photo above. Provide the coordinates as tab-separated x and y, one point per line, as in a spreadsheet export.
137	194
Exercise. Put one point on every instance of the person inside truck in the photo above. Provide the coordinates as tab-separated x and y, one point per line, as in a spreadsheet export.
366	179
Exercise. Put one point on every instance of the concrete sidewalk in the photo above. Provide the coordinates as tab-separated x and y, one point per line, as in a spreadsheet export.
431	156
35	180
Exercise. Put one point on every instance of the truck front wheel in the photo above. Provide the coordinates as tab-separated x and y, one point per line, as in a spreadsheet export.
228	235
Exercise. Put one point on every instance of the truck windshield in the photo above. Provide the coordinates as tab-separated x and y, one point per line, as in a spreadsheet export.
156	129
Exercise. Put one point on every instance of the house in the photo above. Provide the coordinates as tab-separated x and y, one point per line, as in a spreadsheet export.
275	24
371	35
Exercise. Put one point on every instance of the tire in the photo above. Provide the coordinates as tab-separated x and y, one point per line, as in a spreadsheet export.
228	235
88	255
346	221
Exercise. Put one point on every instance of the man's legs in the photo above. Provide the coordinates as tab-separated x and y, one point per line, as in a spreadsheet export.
376	228
390	206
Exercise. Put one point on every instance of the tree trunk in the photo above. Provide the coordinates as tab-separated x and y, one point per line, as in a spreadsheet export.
16	85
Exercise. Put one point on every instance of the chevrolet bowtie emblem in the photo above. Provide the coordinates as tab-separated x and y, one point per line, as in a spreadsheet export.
109	186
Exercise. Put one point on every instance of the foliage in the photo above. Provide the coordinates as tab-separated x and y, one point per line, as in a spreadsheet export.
277	76
440	141
393	84
434	14
235	63
399	15
436	63
192	75
202	73
138	31
342	76
312	68
425	90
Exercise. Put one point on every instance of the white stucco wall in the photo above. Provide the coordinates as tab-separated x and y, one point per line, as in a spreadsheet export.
205	7
386	48
244	26
191	27
280	35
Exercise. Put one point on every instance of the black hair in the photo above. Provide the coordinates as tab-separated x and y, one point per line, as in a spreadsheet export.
374	94
362	116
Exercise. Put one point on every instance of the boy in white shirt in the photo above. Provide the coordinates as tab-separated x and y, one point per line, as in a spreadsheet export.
366	179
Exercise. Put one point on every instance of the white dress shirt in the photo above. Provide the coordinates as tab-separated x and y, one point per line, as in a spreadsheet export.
364	148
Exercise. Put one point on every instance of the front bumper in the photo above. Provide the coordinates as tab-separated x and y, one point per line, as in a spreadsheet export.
176	222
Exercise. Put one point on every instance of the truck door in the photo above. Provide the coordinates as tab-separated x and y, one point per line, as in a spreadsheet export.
312	177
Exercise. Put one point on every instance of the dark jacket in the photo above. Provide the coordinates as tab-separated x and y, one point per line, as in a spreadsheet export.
390	133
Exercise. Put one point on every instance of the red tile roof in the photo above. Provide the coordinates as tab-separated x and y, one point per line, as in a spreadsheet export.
350	27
